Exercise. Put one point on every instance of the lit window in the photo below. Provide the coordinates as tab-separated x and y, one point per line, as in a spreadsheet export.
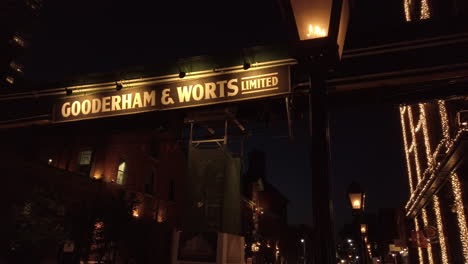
121	172
85	160
85	157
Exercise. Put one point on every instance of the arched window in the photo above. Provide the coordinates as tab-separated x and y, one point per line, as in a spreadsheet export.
121	172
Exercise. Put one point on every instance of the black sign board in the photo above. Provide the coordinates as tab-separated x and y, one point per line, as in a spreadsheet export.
214	89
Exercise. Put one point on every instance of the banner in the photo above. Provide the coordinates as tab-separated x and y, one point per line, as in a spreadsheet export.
218	88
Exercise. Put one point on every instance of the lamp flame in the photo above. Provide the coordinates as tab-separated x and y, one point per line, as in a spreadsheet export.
316	32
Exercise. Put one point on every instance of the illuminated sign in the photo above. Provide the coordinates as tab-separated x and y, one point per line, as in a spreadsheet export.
182	93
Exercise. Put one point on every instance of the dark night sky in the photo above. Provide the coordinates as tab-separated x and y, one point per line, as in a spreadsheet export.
94	36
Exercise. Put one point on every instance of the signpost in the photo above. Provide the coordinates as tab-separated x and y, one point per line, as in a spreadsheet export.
181	93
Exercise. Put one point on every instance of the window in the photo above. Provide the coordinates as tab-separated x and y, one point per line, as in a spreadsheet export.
149	182
85	160
121	172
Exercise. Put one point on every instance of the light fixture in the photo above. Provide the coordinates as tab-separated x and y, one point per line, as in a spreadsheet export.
302	240
10	80
49	161
356	196
363	228
18	41
318	23
68	91
118	86
16	66
246	66
182	74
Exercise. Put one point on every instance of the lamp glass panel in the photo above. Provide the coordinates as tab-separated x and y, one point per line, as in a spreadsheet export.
356	200
312	18
344	20
363	228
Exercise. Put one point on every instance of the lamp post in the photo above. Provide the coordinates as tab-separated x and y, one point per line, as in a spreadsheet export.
319	30
304	250
357	199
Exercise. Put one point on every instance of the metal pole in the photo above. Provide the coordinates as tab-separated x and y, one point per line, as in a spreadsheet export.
304	245
323	221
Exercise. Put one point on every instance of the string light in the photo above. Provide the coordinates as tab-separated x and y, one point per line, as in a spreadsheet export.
423	121
429	246
444	121
425	179
420	253
425	12
458	200
440	228
407	4
405	142
413	136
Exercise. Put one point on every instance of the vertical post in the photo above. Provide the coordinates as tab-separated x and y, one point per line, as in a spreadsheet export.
305	259
363	242
323	242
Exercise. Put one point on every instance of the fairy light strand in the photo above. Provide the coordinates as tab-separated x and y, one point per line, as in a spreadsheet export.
429	246
420	253
440	229
444	121
425	12
405	142
407	4
458	200
413	136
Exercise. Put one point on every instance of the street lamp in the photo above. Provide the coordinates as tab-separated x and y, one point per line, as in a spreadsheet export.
318	24
319	31
304	250
357	199
356	196
363	229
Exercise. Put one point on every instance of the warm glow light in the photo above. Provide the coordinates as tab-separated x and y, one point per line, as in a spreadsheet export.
356	204
460	209
406	4
10	80
363	228
440	229
136	213
49	161
429	246
316	32
312	17
425	12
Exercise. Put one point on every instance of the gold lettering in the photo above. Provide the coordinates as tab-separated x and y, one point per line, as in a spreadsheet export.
233	87
66	109
116	102
221	87
210	89
136	100
126	101
184	93
149	98
165	99
275	81
96	106
106	104
75	108
252	84
197	96
86	107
